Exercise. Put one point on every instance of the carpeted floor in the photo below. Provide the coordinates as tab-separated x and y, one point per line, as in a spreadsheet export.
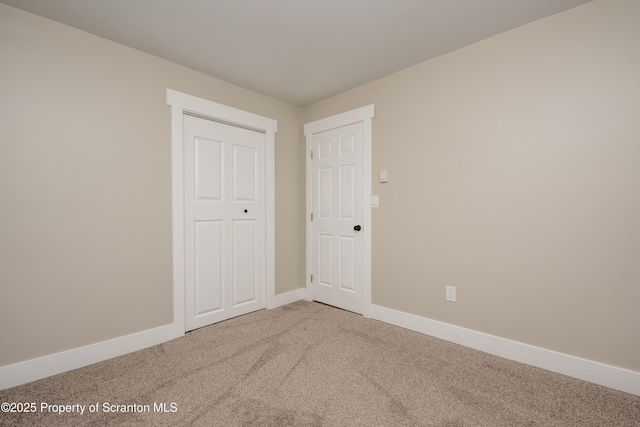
307	364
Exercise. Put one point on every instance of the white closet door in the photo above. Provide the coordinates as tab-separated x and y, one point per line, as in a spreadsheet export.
224	221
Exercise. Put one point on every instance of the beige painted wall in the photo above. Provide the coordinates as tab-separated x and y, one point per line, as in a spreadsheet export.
514	175
513	168
85	179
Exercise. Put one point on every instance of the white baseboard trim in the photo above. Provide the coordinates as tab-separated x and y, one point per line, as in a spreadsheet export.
287	298
53	364
46	366
587	370
306	293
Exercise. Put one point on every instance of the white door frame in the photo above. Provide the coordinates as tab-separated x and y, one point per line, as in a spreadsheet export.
365	115
182	103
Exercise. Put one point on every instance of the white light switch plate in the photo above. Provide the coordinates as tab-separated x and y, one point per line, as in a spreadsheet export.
375	201
384	176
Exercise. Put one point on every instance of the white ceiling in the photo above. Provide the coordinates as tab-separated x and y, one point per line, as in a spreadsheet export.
298	51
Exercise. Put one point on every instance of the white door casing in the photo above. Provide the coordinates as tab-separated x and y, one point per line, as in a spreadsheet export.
224	221
182	104
338	198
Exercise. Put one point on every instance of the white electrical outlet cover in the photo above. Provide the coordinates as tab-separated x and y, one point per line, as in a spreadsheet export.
451	293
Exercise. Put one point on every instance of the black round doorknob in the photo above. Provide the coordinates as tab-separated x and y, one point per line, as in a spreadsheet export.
245	211
357	228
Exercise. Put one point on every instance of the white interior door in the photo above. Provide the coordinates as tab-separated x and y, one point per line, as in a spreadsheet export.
338	213
224	211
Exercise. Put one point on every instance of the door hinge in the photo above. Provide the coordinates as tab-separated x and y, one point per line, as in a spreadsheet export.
311	154
311	216
312	278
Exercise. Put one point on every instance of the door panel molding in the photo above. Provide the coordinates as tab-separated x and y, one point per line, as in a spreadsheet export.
365	115
182	104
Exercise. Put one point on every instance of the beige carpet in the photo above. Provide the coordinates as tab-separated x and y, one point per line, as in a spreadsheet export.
307	364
